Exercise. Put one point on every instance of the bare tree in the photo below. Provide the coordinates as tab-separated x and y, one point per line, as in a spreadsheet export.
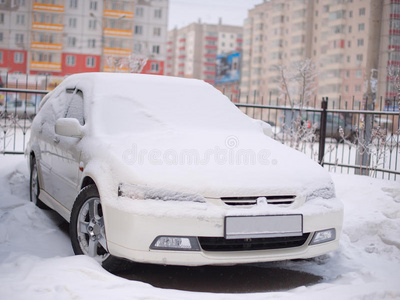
5	129
298	85
134	63
378	144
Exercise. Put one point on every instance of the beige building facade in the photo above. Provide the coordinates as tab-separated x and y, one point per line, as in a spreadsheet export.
348	40
192	50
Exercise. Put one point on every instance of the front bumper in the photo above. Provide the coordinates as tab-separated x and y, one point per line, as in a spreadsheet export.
133	225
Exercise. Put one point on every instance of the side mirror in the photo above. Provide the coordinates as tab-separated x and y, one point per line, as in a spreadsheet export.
69	127
266	128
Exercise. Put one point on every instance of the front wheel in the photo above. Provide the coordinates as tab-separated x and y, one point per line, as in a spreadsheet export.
87	230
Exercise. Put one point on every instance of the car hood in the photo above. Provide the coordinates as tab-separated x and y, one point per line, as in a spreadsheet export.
213	165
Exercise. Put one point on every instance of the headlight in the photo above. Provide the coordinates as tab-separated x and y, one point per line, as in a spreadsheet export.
142	193
327	192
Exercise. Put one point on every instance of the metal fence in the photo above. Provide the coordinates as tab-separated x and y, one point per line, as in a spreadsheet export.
20	96
340	135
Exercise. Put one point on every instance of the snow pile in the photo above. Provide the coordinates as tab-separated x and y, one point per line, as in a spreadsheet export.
37	262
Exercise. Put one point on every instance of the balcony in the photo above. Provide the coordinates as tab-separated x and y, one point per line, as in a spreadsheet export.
118	32
48	7
116	51
46	46
47	26
118	14
45	66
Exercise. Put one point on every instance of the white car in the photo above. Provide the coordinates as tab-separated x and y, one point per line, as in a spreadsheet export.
167	170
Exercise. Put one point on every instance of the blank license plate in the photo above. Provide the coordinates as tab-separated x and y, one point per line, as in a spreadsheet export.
242	227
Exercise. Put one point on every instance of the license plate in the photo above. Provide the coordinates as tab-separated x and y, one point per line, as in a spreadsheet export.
242	227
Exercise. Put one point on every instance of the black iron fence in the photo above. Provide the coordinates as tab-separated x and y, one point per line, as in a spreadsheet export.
20	96
340	135
343	136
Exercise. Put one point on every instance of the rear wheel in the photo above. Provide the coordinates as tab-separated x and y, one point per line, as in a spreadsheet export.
34	185
87	230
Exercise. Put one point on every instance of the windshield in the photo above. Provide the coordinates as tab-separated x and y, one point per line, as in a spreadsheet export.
165	105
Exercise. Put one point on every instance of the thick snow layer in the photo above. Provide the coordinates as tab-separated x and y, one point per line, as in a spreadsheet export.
175	134
37	261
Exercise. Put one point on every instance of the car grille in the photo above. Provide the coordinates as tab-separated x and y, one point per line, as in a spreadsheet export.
222	244
280	199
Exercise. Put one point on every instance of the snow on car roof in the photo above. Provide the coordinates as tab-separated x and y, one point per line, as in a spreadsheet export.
139	103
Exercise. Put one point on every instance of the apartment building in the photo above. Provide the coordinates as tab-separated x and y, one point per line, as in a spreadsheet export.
192	50
347	40
151	33
61	37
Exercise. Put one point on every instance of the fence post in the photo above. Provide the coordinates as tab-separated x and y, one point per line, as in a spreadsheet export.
322	131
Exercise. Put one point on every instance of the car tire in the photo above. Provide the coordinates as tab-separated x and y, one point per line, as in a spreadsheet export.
87	231
34	186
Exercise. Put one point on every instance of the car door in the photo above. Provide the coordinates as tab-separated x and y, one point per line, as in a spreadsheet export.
53	109
66	156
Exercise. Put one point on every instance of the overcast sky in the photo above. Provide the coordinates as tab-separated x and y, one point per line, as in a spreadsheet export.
232	12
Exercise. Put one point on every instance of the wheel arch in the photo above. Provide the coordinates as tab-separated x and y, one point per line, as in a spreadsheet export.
87	180
32	156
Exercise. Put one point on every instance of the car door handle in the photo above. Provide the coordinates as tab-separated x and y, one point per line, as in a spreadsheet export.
56	140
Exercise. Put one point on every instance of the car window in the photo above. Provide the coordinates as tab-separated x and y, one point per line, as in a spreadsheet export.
53	109
75	107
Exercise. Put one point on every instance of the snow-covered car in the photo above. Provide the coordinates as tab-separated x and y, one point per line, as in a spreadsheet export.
167	170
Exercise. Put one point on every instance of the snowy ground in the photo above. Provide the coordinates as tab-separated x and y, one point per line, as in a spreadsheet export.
37	262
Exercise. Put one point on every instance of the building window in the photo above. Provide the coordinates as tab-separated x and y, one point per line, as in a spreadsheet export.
73	3
348	58
361	27
158	13
93	5
350	28
139	12
20	19
1	57
18	57
1	36
19	38
360	42
348	44
70	60
137	48
92	43
155	67
347	74
357	88
71	42
157	31
358	73
72	22
346	88
1	18
156	49
138	29
362	12
92	24
359	57
90	62
350	14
